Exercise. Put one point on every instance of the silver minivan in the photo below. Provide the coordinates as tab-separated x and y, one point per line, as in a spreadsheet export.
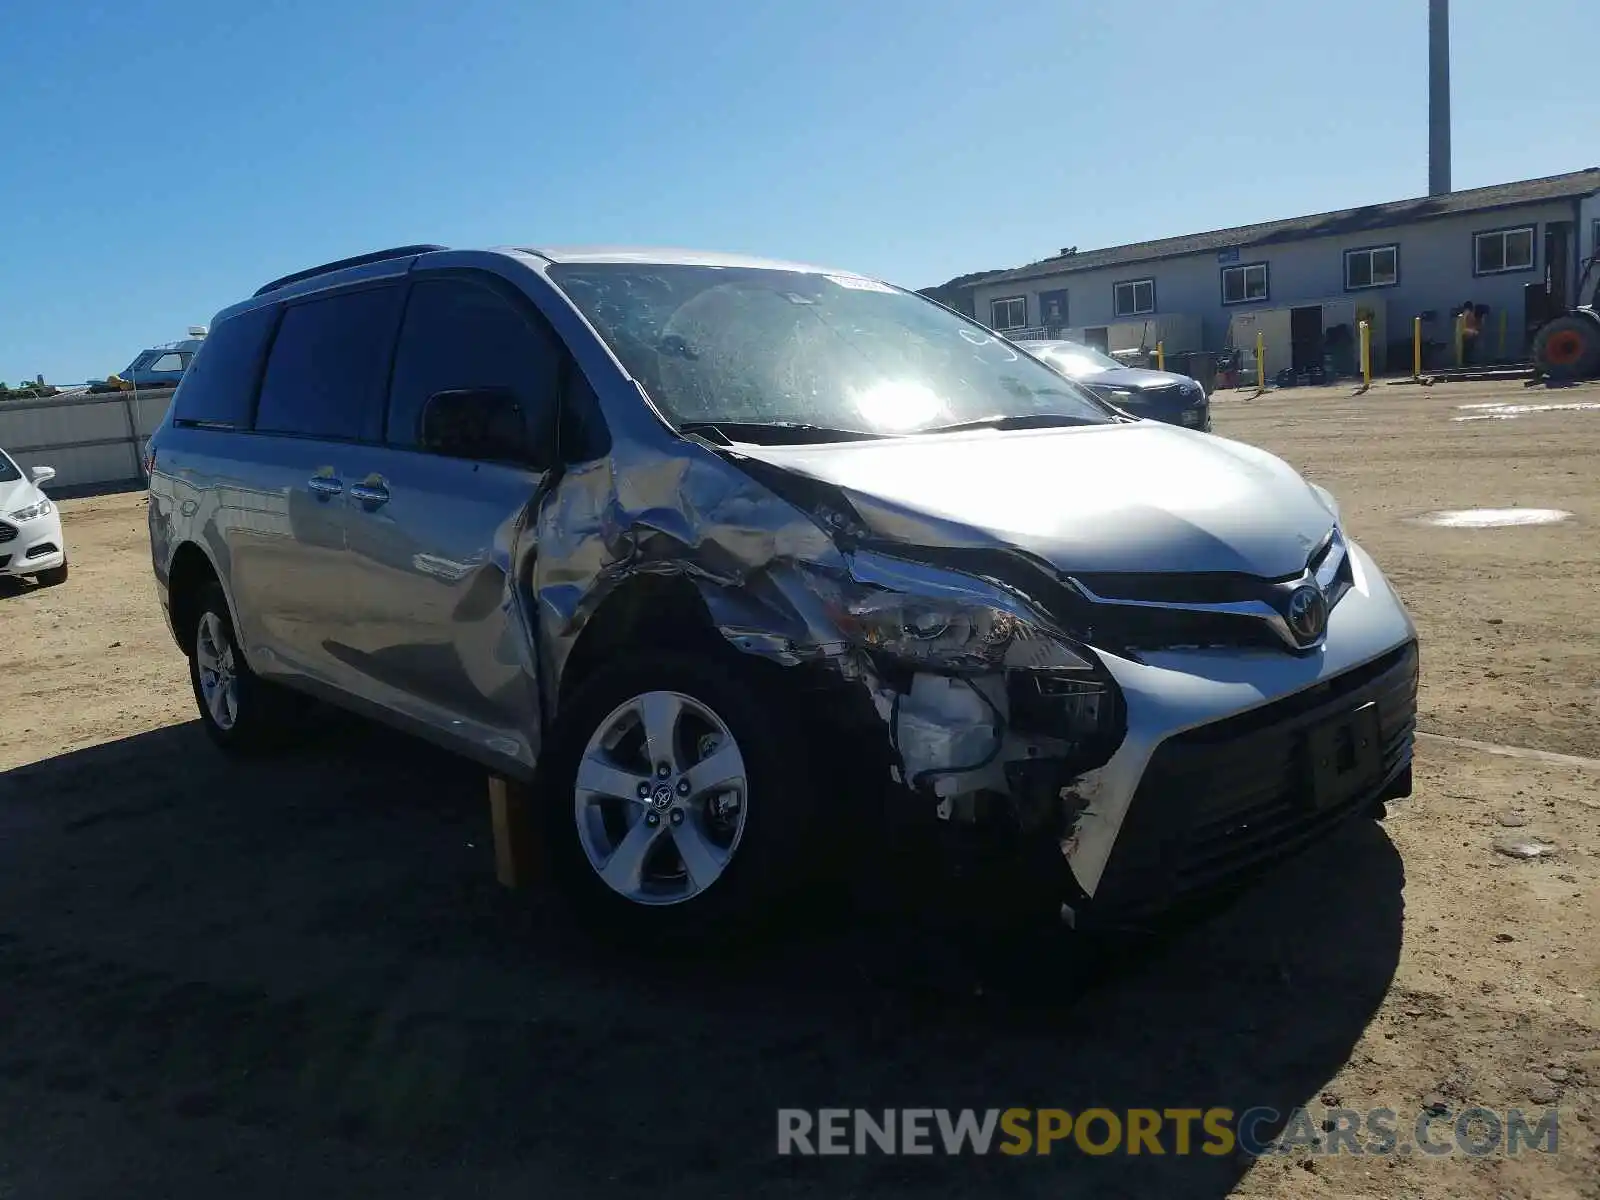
732	558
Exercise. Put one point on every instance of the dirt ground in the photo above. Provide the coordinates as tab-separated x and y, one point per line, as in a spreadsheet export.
303	979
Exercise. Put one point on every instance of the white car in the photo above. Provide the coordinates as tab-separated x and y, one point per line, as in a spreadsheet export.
30	525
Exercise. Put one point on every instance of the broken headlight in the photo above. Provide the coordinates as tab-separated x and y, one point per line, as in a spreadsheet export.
985	682
941	634
943	620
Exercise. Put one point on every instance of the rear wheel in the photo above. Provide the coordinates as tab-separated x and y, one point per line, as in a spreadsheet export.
241	712
675	800
1568	348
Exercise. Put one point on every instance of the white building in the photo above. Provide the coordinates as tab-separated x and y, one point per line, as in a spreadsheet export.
1514	247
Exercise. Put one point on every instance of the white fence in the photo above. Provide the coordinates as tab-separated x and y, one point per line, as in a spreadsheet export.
91	440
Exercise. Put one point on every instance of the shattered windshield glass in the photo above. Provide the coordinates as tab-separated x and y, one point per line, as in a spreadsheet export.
762	346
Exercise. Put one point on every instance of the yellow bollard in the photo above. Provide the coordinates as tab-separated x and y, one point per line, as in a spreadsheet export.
1461	340
1161	356
1261	361
1366	355
1416	347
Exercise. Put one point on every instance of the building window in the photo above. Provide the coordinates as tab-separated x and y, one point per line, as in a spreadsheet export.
1502	250
1374	266
1053	308
1134	298
1009	312
1242	284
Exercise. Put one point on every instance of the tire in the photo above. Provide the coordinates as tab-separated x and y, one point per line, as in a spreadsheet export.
242	713
54	577
1568	348
749	843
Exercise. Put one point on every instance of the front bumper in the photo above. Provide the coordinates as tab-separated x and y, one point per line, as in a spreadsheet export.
1161	404
1213	777
1191	416
28	547
1220	802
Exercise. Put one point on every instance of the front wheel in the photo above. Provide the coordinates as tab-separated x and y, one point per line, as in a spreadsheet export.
676	802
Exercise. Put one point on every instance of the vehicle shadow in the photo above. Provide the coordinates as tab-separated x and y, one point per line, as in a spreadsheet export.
305	967
15	585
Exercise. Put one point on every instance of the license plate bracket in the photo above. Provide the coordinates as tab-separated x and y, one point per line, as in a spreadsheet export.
1345	756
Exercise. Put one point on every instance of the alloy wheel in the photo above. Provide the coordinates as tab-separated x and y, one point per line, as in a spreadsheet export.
661	798
219	683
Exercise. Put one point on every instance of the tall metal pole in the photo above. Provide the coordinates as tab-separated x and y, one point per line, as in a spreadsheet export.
1438	97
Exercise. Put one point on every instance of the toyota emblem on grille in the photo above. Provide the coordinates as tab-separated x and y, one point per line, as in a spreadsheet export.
1307	613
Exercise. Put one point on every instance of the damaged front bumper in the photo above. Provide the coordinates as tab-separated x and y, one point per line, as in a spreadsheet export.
1182	771
1195	812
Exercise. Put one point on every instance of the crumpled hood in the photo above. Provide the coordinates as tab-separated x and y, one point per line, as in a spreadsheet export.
1109	498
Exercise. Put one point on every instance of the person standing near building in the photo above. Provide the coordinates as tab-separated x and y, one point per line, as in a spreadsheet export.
1469	333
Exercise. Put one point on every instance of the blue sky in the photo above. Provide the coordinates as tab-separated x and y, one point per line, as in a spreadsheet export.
165	157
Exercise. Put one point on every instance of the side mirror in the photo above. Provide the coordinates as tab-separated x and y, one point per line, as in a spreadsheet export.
43	474
481	423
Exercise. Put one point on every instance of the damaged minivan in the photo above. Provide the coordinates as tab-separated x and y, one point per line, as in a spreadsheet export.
728	558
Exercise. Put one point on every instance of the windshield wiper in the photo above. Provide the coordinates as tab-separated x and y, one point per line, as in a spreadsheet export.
1016	421
773	431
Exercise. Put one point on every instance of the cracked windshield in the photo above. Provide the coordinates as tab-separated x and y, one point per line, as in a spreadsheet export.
772	347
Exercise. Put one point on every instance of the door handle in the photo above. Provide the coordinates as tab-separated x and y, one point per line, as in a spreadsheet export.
323	486
369	493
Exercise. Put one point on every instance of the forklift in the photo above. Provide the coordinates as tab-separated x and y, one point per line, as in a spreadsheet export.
1567	348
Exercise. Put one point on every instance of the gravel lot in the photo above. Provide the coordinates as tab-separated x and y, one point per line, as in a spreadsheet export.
302	978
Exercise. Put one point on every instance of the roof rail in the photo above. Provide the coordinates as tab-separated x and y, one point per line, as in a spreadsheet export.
339	265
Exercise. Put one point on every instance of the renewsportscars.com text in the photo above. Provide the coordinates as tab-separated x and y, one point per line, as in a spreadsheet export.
1472	1131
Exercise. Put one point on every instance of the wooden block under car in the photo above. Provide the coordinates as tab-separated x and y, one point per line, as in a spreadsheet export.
510	811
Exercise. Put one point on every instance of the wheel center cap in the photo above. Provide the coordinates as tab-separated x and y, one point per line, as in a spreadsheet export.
662	796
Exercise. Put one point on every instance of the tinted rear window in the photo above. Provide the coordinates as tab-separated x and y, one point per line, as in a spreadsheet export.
220	386
329	368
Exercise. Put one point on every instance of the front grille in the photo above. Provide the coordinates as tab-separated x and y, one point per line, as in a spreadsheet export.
7	532
1173	393
1162	610
40	550
1133	629
1192	587
1218	802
